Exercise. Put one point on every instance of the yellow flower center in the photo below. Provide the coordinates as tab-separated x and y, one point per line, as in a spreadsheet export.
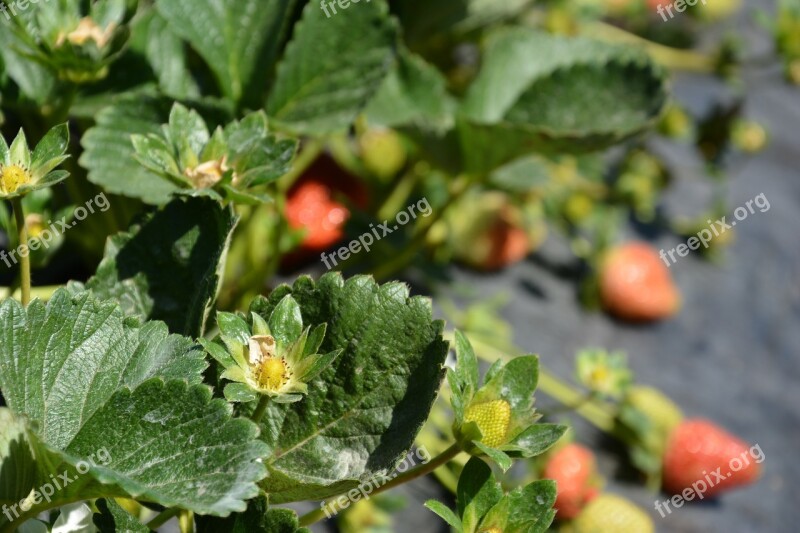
599	377
273	373
491	530
206	175
12	177
270	372
87	30
493	419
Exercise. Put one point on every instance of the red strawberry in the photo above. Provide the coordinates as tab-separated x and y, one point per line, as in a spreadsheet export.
701	452
573	469
312	205
636	285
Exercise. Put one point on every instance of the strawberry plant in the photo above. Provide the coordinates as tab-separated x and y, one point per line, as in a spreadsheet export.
169	169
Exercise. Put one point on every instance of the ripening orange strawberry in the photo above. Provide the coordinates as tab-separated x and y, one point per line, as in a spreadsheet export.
489	232
504	244
652	5
708	460
573	470
636	285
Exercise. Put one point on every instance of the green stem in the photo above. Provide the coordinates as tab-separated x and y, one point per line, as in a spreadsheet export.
43	293
568	408
666	56
163	517
24	253
262	407
186	522
414	473
399	195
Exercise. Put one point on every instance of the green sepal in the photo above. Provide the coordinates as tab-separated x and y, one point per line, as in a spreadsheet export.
498	456
218	352
240	393
286	323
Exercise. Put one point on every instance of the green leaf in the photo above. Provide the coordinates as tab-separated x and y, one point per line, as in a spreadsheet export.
125	401
477	492
332	67
451	17
521	175
113	518
239	40
155	39
539	92
34	80
361	416
497	517
108	152
169	267
413	94
17	464
445	513
258	518
531	507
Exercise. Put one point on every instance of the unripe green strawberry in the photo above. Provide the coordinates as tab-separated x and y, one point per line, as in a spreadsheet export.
578	207
749	137
493	419
717	9
676	123
488	232
383	152
611	514
659	410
